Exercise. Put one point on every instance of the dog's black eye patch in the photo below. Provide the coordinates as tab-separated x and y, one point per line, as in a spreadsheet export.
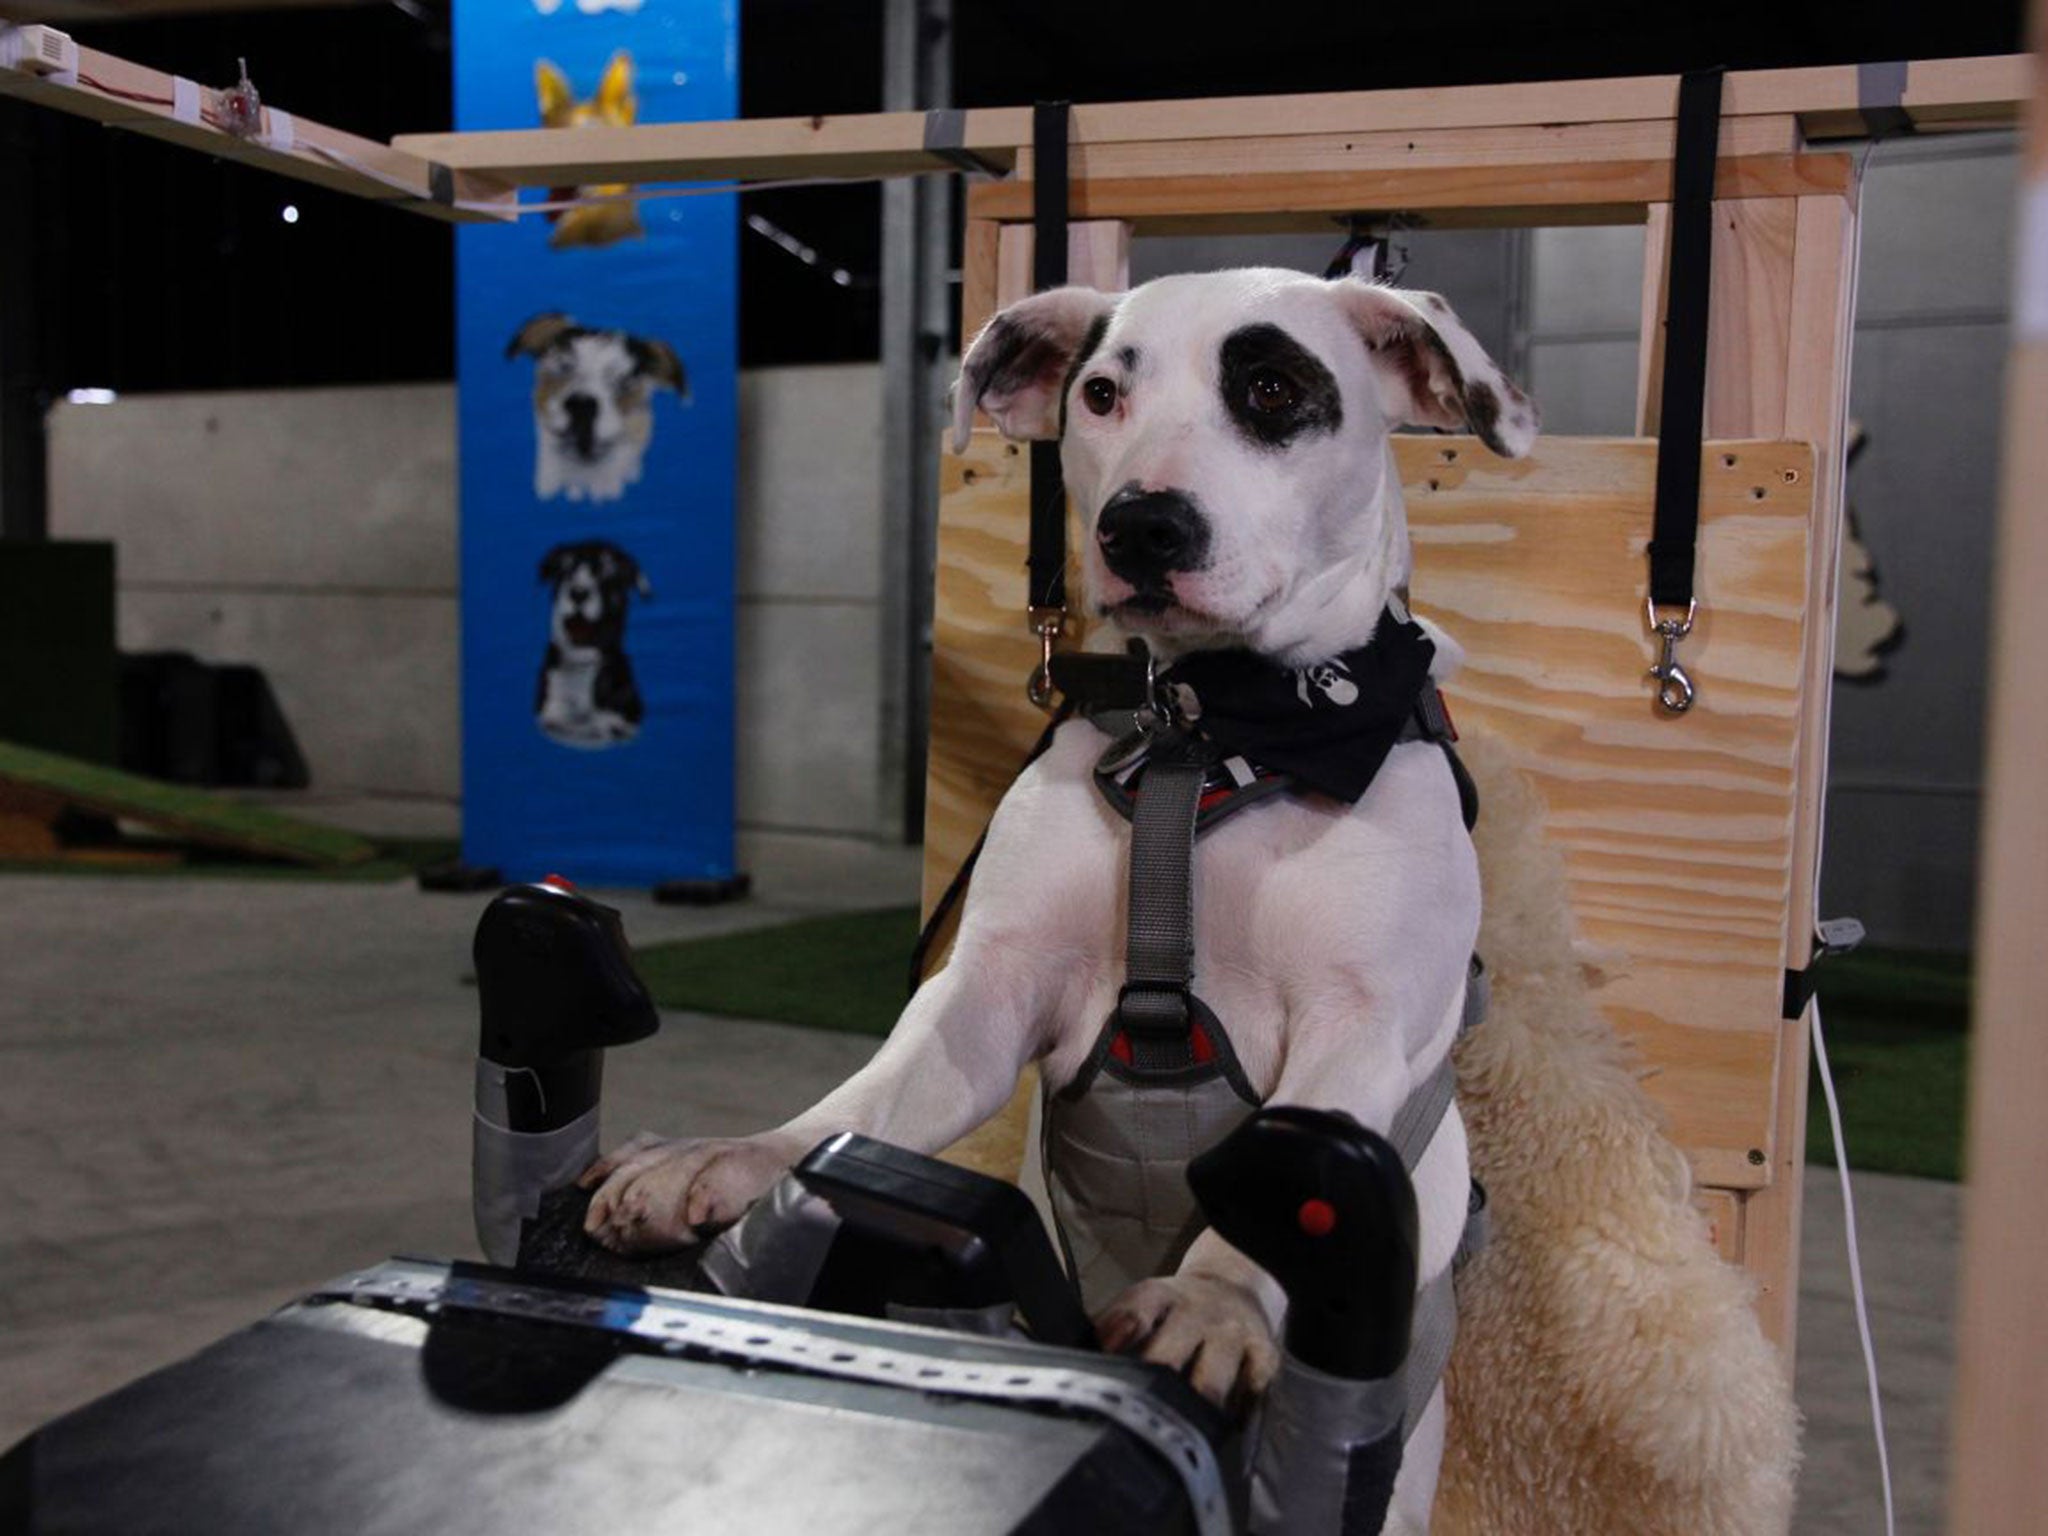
1275	389
1097	329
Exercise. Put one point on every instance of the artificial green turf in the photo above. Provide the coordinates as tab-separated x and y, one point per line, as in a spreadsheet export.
847	972
186	812
391	858
1897	1029
1897	1022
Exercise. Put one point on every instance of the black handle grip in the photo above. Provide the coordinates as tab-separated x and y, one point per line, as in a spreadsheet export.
1326	1208
554	978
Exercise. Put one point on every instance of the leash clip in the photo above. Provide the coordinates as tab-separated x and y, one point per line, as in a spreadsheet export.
1049	624
1675	690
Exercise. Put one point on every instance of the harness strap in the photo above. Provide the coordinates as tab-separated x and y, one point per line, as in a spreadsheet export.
1159	951
1422	1112
1430	1339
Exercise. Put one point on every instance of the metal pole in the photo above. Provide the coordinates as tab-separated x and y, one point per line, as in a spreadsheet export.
917	222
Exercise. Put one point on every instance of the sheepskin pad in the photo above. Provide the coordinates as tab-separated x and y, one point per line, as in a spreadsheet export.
1610	1375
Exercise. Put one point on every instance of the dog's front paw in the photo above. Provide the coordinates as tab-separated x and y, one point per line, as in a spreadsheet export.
1212	1331
657	1194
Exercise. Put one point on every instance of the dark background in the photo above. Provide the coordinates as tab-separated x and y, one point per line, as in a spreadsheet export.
135	265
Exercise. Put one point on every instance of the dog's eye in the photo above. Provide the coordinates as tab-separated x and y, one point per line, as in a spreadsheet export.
1100	395
1272	392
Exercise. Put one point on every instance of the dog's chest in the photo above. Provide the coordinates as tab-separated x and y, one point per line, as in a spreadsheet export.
1287	896
572	686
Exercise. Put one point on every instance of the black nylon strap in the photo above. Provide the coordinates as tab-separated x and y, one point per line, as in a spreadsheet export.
1159	948
1047	564
1675	532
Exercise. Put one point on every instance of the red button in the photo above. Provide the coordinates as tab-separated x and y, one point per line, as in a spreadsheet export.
559	882
1318	1218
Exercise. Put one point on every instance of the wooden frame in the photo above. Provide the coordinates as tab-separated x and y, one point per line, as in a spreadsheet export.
1785	246
1541	153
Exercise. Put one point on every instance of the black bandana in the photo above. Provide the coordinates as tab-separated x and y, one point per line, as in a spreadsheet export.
1330	725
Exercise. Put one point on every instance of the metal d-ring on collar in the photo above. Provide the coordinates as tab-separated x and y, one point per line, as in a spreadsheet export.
1675	689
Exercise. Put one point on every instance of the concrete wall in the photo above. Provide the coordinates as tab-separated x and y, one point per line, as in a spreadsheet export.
1907	751
312	532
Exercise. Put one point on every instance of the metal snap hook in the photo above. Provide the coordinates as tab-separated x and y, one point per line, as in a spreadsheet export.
1675	689
1049	623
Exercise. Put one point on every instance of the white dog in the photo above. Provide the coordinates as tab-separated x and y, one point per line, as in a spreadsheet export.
1225	437
593	404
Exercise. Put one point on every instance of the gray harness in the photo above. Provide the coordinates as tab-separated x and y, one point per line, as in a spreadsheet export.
1162	1084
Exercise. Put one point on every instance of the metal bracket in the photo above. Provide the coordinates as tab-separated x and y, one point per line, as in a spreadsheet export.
1836	936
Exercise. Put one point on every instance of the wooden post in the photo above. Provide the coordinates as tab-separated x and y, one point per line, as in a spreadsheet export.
1996	1487
1821	301
1782	312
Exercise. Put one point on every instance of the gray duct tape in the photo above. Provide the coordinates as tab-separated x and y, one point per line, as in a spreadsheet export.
776	1251
755	1338
945	135
1881	98
1309	1425
511	1170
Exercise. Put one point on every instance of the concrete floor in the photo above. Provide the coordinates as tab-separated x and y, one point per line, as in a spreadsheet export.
215	1094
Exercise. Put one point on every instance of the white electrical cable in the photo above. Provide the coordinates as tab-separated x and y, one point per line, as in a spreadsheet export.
1827	1084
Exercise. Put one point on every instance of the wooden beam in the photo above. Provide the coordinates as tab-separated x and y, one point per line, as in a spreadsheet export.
1945	93
1749	327
877	144
119	94
1650	335
1539	144
1522	194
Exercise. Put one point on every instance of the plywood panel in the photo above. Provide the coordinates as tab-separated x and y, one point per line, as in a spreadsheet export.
1676	832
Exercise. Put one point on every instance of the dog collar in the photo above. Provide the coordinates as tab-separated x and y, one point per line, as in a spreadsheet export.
1260	727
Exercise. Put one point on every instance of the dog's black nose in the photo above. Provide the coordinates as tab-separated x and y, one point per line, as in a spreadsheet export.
1145	534
581	409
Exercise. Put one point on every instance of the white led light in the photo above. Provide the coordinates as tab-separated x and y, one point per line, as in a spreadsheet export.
291	213
92	397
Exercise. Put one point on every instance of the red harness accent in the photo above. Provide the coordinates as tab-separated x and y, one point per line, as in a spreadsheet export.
1201	1049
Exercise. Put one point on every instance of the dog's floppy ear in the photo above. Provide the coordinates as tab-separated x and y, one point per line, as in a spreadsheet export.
617	564
557	99
1436	372
615	103
554	565
538	334
1018	366
658	360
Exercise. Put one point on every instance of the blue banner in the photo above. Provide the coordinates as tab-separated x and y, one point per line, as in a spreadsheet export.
596	359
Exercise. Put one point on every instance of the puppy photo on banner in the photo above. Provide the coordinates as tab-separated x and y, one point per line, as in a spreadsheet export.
593	404
596	351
